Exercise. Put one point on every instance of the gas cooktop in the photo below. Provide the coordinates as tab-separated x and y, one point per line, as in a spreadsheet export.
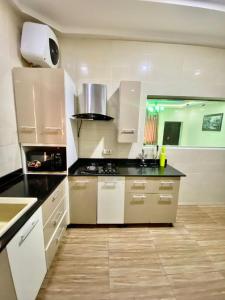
97	168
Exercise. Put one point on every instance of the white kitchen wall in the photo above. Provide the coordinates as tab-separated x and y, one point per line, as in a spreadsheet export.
10	29
163	69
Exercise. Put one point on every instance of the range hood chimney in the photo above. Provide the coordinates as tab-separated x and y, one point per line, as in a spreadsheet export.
92	104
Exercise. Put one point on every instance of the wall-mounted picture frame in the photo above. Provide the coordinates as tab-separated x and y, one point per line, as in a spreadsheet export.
212	122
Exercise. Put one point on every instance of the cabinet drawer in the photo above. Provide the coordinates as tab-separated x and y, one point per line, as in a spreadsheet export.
137	208
152	185
53	201
138	184
163	208
54	220
164	185
54	243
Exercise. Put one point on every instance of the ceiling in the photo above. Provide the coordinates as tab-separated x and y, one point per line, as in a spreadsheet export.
173	21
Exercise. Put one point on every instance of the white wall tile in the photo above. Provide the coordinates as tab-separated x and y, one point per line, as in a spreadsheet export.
10	31
166	69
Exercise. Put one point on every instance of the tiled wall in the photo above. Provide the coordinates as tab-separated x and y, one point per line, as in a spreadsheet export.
10	29
165	69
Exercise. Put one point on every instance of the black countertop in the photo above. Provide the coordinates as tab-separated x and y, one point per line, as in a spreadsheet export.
31	186
41	186
125	167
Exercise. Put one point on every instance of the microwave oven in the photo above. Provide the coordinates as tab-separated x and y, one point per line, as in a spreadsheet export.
46	159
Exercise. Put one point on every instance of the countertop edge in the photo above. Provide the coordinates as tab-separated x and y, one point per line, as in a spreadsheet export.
11	232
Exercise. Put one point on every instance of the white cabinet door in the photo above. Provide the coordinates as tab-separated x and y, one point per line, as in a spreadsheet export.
129	107
27	258
27	90
110	208
40	105
50	107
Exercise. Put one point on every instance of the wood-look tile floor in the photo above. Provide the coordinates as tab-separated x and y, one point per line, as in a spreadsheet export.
185	262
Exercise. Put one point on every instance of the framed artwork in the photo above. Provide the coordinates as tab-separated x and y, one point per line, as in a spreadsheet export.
212	122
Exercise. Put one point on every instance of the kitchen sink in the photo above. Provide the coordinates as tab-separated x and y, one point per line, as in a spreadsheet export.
11	209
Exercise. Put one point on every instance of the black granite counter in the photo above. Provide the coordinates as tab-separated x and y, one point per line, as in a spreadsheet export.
124	167
32	186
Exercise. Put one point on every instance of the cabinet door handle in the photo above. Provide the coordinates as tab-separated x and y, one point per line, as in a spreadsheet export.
53	129
128	131
139	197
110	183
27	232
27	128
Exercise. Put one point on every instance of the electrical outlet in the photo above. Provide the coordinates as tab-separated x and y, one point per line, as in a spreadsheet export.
107	151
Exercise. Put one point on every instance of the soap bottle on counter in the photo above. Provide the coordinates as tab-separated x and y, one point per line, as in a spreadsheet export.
162	157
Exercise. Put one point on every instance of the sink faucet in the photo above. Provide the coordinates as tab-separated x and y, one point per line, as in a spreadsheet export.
142	156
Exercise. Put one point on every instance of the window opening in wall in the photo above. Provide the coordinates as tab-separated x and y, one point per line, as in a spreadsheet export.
184	121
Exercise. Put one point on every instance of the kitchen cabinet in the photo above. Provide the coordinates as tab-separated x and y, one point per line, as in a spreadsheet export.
27	259
7	290
123	200
40	108
110	208
129	106
137	208
54	215
151	200
83	199
40	98
163	208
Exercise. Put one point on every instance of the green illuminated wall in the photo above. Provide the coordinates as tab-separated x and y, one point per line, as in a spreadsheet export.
191	118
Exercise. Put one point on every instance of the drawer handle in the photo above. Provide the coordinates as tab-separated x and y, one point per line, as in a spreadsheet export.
139	197
27	232
167	182
165	198
55	196
137	202
81	182
110	183
56	221
139	182
60	235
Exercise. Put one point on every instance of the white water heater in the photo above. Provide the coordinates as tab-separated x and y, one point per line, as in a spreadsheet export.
39	45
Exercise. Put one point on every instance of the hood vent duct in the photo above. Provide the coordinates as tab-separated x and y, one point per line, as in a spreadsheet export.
92	103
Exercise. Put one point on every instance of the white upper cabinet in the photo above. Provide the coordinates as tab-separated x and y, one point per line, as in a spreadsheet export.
40	105
26	92
129	107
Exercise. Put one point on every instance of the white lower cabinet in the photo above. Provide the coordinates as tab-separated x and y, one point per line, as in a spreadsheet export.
110	206
27	258
7	290
55	217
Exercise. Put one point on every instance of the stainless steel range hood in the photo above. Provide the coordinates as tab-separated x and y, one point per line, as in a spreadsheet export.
92	103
